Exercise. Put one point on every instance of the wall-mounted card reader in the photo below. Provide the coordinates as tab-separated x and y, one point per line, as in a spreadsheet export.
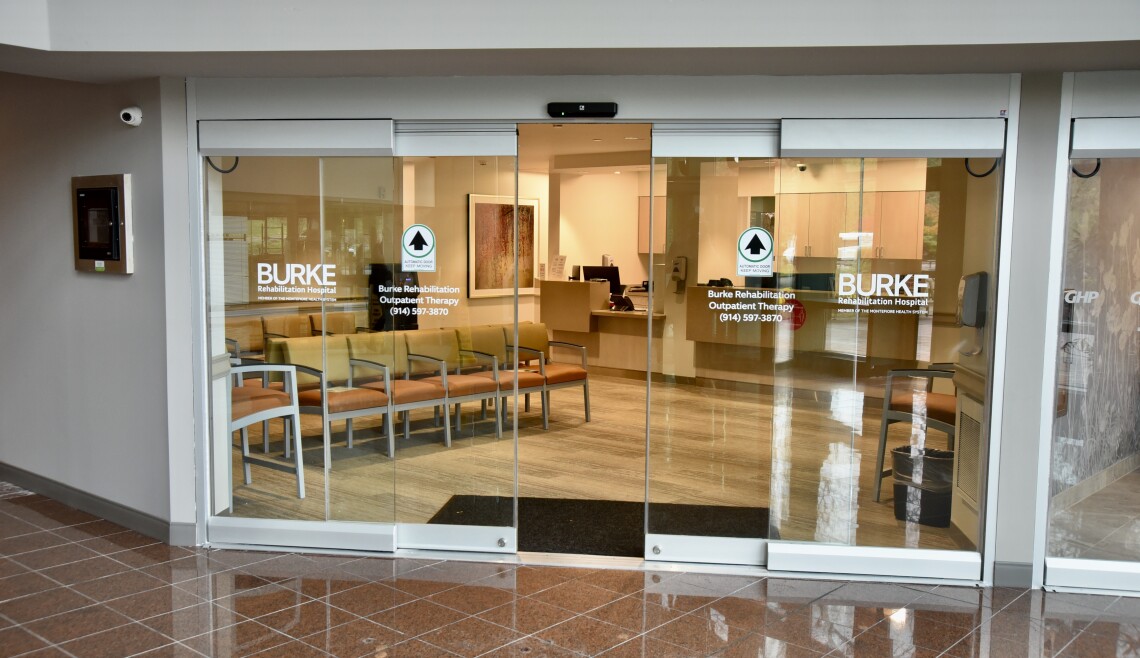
102	220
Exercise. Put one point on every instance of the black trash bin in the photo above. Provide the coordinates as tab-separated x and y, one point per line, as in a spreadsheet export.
923	480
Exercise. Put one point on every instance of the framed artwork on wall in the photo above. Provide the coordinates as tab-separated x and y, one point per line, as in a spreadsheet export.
491	243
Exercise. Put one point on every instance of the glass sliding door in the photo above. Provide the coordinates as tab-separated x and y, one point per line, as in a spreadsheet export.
883	387
361	392
822	395
1094	486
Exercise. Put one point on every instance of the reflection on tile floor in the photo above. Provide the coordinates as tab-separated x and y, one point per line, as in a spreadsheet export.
72	584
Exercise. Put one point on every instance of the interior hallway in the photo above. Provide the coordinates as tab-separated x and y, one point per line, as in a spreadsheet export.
72	584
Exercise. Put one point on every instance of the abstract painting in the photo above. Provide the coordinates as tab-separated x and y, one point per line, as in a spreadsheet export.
491	245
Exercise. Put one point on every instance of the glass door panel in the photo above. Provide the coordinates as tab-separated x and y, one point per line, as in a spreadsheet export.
711	393
263	237
359	228
1094	513
455	462
772	395
346	279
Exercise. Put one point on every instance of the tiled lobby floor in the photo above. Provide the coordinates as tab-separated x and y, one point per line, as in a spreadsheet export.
75	585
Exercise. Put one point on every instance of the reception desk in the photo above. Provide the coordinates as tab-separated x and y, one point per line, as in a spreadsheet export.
579	312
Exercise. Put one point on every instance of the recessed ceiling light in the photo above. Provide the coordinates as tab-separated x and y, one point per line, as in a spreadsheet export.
617	172
633	139
596	139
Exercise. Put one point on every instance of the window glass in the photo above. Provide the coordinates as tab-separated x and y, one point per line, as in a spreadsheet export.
1094	483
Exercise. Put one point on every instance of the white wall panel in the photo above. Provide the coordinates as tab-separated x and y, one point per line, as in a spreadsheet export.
296	137
1106	138
639	98
892	138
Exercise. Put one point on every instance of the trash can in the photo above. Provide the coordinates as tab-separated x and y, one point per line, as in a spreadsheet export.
923	480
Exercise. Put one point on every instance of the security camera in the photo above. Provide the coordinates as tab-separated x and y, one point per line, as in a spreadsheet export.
801	166
132	116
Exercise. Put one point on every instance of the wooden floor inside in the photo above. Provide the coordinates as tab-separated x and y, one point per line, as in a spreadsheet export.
807	455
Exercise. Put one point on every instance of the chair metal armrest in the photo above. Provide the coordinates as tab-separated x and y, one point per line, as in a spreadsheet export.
537	354
289	370
369	365
574	346
485	357
441	365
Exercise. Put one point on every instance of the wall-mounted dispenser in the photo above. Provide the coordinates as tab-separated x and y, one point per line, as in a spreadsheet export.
972	308
679	272
102	220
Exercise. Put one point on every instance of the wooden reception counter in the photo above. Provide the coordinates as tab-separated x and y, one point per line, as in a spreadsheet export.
810	320
579	312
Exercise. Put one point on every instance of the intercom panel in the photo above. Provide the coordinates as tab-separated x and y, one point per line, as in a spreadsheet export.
101	218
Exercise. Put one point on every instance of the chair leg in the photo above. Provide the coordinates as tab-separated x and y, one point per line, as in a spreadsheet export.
285	425
526	402
348	430
245	453
436	418
297	452
879	457
545	395
265	436
498	423
458	422
391	436
407	424
586	397
446	428
483	410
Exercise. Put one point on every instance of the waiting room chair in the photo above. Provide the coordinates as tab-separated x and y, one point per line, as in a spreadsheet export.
436	356
276	327
250	405
905	404
338	322
535	343
389	349
326	375
492	340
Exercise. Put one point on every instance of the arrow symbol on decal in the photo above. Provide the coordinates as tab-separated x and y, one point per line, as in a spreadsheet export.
418	242
755	245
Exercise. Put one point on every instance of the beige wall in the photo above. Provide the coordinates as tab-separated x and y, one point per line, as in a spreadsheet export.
598	215
83	366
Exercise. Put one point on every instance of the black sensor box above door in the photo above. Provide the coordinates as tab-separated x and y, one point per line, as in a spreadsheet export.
582	110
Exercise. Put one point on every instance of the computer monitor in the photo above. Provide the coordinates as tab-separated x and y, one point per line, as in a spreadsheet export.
609	273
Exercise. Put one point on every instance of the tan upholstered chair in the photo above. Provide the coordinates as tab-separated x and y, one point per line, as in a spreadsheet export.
434	355
535	344
250	405
246	334
275	327
389	349
338	322
491	340
903	403
330	392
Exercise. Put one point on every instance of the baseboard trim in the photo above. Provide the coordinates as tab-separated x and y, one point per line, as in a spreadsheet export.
1095	482
176	534
1013	574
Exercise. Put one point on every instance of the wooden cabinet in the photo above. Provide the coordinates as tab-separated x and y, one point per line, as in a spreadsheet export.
879	224
889	223
900	224
811	224
827	218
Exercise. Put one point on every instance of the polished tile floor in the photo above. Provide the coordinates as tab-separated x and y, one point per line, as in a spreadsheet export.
72	584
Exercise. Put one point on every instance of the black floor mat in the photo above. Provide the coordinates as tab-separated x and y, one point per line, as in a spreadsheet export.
600	527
